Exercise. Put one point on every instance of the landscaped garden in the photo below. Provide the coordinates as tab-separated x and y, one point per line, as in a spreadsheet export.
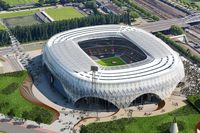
63	13
187	117
13	104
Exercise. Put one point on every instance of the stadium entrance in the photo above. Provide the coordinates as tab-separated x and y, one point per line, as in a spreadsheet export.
148	98
97	104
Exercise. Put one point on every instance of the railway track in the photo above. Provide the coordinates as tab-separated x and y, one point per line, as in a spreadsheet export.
196	28
161	9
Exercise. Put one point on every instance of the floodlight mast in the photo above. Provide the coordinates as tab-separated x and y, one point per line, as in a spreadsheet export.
94	69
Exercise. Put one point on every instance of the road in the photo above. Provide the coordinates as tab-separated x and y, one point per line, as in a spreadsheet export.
162	25
15	129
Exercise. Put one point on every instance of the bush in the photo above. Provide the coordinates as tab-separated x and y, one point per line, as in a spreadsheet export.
38	114
176	30
3	105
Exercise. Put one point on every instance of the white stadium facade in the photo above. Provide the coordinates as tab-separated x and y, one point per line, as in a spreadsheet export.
151	67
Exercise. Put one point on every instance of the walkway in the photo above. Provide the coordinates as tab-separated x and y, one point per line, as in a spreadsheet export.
171	104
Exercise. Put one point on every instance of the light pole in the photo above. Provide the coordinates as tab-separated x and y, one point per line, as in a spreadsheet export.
94	69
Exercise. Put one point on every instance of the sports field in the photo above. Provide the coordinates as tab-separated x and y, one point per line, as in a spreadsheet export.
16	2
19	13
21	21
63	13
112	61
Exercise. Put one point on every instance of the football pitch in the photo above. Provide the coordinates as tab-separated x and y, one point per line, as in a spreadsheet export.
112	61
15	2
63	13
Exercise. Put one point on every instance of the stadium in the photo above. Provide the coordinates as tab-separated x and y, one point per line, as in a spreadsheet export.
112	65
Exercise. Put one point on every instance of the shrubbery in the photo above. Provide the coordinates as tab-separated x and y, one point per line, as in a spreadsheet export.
38	114
195	100
176	30
183	51
3	105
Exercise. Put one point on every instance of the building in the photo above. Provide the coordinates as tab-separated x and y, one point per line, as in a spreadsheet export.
151	68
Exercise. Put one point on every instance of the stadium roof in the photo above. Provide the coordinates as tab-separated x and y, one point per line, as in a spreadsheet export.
65	51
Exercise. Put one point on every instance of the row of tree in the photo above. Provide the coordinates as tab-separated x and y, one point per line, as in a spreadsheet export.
135	8
46	30
183	51
4	5
59	1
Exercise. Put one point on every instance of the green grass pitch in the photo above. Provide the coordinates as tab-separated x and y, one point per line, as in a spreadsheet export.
112	61
63	13
15	2
19	13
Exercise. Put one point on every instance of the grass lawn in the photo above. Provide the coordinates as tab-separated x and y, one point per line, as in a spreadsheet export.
15	2
18	13
195	100
2	27
12	100
112	61
187	116
63	13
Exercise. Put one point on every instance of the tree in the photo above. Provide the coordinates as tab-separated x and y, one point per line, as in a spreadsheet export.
41	2
52	1
133	15
4	5
46	30
92	5
11	113
176	30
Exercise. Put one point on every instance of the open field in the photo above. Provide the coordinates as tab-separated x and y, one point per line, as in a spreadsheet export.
16	2
11	101
21	21
112	61
63	13
187	118
18	13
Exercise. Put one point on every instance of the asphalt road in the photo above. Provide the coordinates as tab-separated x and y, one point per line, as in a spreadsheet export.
15	129
162	25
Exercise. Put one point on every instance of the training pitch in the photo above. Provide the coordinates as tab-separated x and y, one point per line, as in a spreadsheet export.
63	13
